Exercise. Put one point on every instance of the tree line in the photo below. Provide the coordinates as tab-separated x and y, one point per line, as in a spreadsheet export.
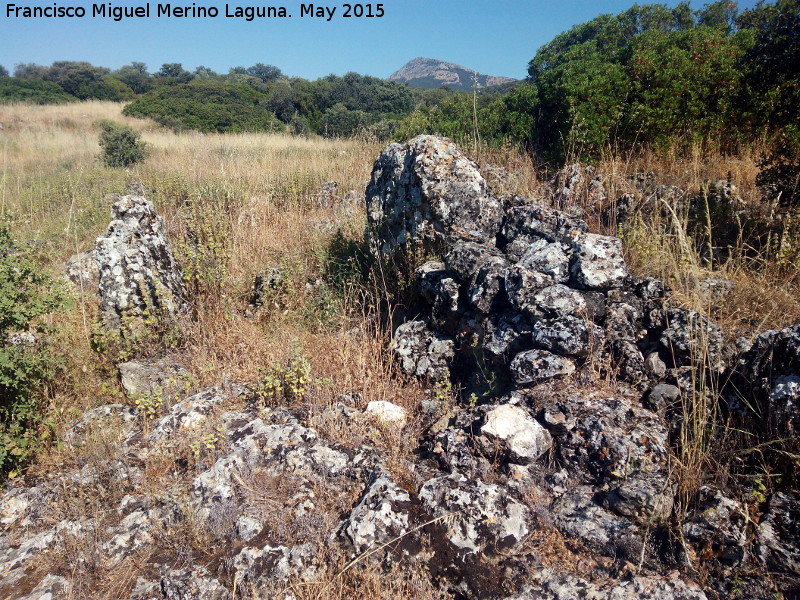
649	76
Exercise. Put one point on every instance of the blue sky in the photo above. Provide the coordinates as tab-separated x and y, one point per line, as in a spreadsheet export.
497	37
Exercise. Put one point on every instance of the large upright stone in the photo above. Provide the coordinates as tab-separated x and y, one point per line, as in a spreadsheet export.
426	193
138	272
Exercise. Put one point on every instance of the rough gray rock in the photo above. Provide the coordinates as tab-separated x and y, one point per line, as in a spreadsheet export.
81	269
718	527
597	262
165	378
646	499
505	335
525	223
452	449
266	571
423	352
538	365
380	515
569	335
52	587
550	585
691	339
548	259
784	406
188	414
103	418
522	284
779	534
577	516
663	398
558	301
279	446
482	517
192	584
138	271
515	433
427	191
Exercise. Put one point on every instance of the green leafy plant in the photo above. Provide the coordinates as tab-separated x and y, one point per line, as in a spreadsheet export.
121	145
287	384
27	362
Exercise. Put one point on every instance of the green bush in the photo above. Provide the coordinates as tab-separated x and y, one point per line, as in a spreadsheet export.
121	145
206	106
32	91
27	363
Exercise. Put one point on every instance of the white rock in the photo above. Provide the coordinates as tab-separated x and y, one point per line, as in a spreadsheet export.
387	412
521	435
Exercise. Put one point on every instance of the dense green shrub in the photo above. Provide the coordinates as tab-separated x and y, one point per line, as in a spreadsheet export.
27	363
121	145
338	121
32	91
205	105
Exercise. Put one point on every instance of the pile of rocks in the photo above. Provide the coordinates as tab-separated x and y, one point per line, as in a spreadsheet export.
522	291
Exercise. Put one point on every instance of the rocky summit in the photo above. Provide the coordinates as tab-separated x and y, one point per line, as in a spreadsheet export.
431	73
557	470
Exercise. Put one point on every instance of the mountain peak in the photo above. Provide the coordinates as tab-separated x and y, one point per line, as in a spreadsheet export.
432	73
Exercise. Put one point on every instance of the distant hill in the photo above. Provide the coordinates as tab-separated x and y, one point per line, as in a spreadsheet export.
431	73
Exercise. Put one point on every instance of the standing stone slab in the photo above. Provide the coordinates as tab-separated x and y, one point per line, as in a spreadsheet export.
427	192
138	271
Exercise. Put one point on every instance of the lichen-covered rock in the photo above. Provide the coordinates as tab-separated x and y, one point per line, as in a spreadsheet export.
266	571
663	398
779	534
423	352
105	418
577	516
138	272
558	301
188	414
597	262
546	258
482	517
644	498
488	283
165	378
522	284
691	339
52	587
613	439
380	515
279	446
506	335
784	405
528	222
568	335
512	431
81	269
425	192
549	585
452	449
538	365
192	584
718	527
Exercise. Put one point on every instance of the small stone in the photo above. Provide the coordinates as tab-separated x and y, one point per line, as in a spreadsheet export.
516	432
388	413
